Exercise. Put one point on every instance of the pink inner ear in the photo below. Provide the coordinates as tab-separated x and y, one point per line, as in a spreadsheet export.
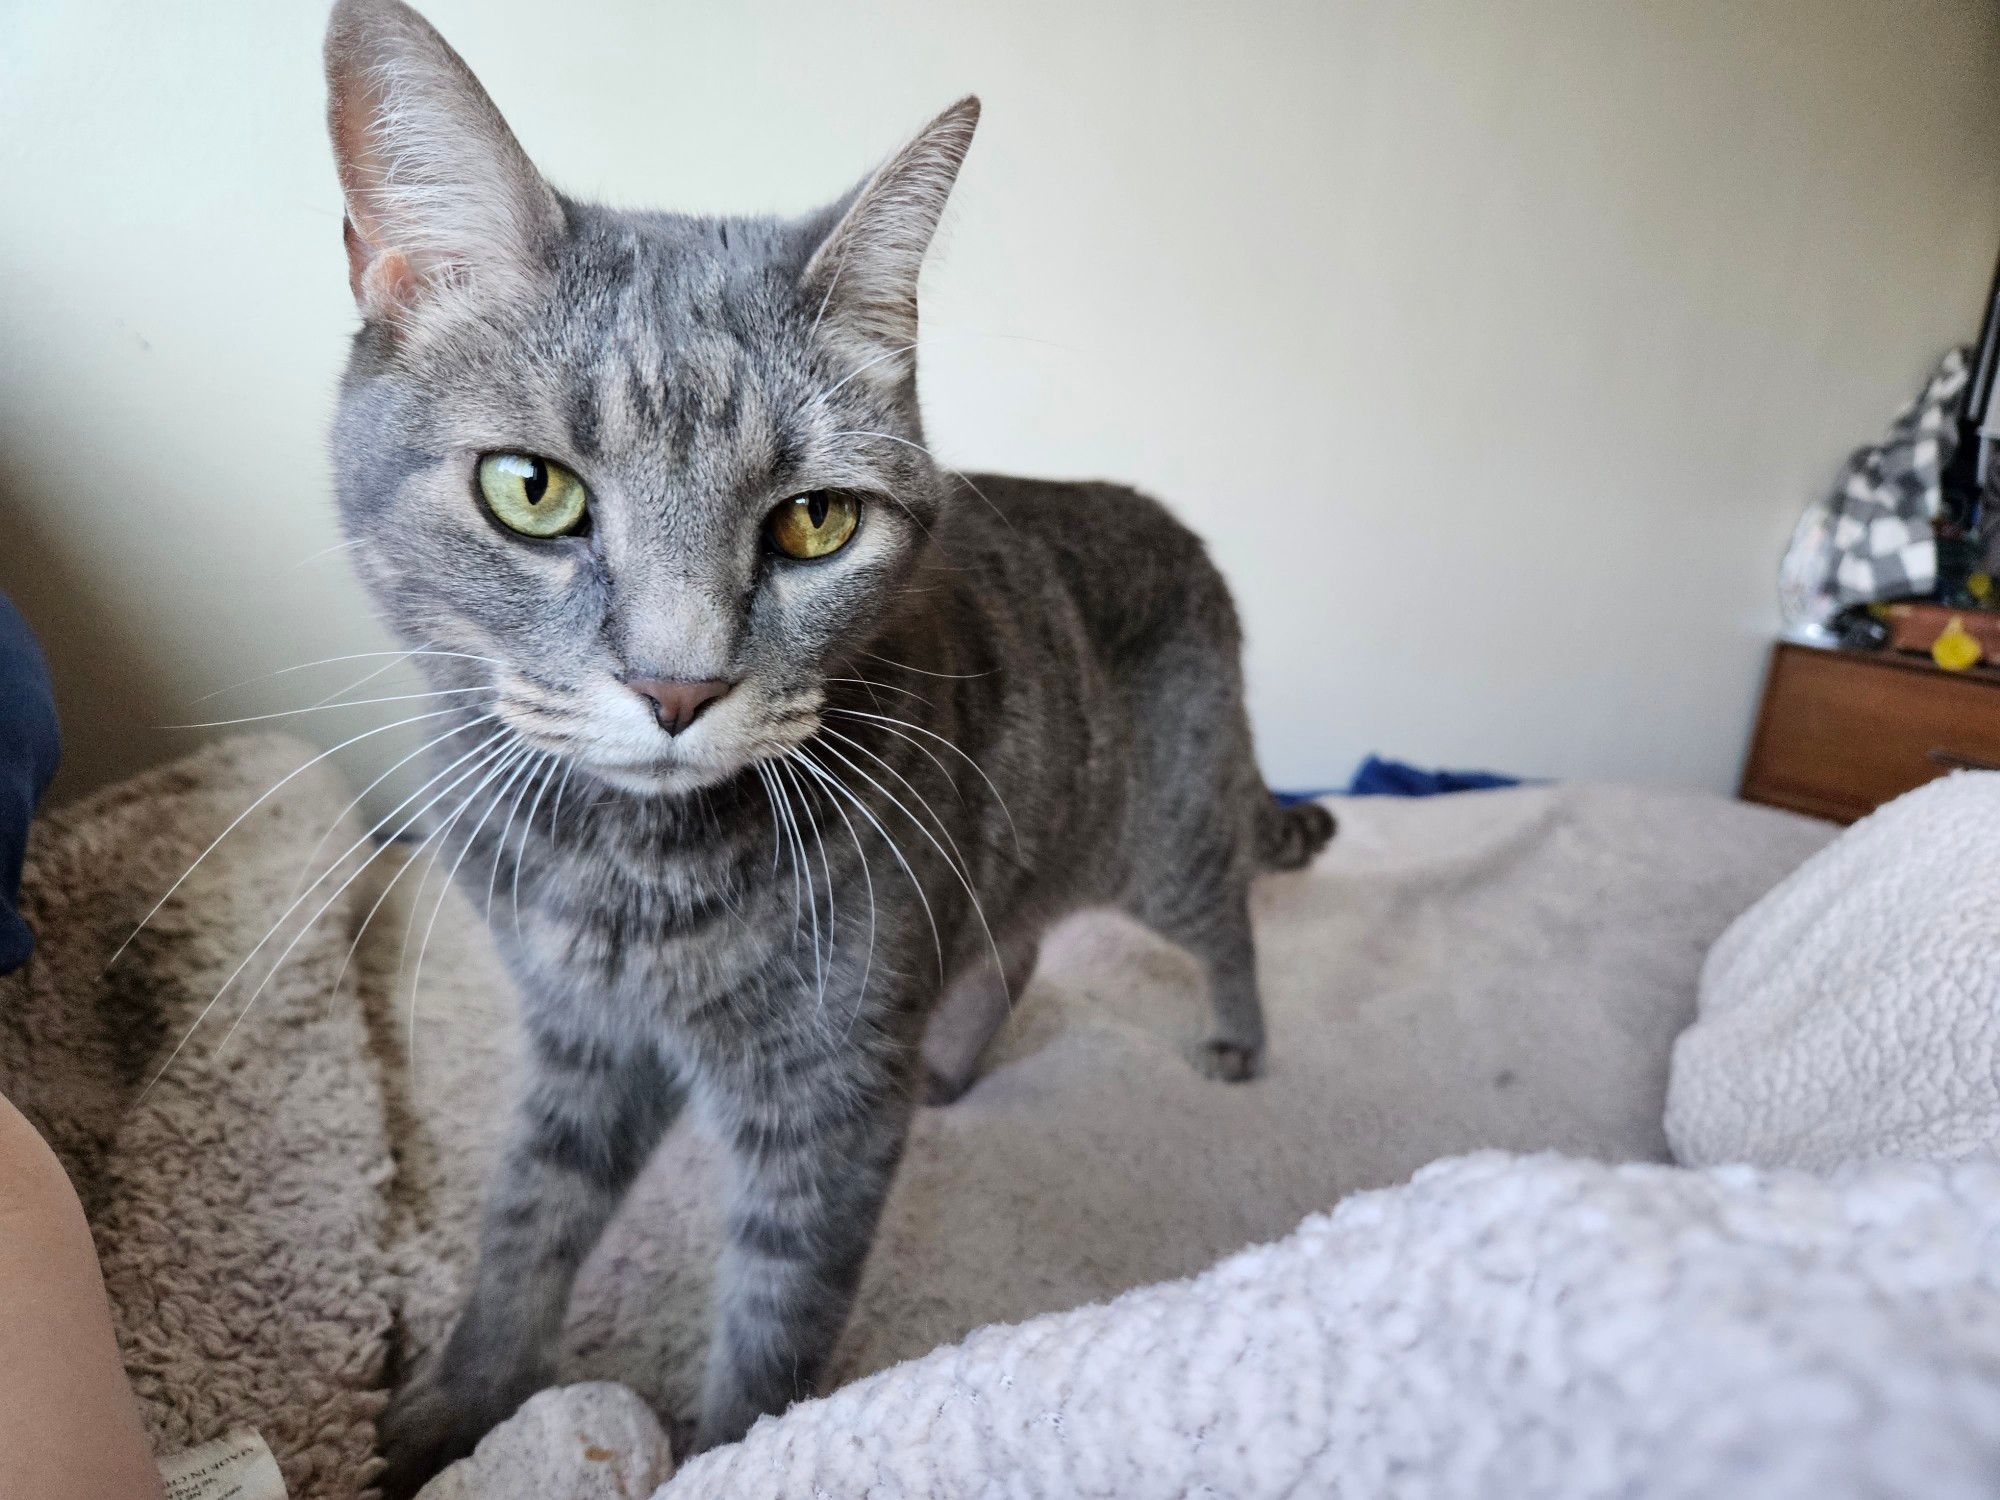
380	283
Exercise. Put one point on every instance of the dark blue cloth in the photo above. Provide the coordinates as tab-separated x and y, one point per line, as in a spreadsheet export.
1376	777
28	750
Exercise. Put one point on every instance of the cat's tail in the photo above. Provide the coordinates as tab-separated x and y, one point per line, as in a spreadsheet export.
1288	836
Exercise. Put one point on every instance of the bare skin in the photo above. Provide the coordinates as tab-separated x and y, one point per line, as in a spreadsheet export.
69	1424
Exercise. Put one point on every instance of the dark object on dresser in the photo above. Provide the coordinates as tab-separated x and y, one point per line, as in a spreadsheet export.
1840	733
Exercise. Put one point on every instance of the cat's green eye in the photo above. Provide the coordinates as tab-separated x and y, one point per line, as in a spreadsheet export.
532	495
816	524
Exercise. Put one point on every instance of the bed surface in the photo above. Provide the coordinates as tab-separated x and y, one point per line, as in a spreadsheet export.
1498	969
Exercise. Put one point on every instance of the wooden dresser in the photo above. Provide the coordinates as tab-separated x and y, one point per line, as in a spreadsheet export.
1842	732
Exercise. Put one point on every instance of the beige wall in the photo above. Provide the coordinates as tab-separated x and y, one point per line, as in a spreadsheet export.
1493	346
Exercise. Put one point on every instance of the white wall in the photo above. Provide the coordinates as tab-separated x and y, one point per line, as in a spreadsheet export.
1493	346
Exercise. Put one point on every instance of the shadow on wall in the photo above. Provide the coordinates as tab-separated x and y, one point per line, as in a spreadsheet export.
108	688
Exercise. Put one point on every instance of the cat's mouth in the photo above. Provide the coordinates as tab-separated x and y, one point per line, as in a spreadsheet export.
615	746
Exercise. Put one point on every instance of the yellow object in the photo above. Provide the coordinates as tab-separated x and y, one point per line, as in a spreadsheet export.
1980	586
1955	649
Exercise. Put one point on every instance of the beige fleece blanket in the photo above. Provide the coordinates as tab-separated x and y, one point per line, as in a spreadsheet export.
285	1216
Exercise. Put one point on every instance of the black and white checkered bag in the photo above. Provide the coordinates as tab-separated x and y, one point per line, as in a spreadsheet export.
1873	536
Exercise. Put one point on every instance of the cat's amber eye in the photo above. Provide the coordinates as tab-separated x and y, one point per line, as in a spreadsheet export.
532	495
816	524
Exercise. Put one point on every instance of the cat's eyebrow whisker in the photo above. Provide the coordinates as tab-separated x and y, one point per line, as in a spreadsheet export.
962	478
834	784
833	281
485	748
861	369
932	734
237	821
324	707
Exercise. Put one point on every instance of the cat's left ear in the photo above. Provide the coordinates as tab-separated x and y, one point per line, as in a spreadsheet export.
442	203
864	273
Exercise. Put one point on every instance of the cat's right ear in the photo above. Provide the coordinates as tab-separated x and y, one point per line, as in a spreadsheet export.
864	270
442	203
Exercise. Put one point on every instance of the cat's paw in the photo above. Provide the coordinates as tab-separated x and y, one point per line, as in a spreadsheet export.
425	1427
1227	1061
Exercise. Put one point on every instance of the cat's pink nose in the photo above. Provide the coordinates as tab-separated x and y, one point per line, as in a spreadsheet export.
676	705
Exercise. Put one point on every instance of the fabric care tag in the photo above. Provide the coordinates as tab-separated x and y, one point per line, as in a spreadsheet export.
234	1467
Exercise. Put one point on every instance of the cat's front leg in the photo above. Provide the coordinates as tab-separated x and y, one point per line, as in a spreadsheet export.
588	1119
813	1154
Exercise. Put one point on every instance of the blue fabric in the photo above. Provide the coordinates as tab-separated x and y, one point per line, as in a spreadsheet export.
1376	777
28	750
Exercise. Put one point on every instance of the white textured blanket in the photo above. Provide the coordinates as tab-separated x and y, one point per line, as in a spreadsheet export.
1528	1327
1854	1013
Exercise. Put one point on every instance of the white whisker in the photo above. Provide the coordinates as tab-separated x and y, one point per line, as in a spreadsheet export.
861	369
922	801
872	685
327	905
932	734
521	849
801	869
500	844
891	437
918	824
868	965
555	808
825	869
827	777
237	821
922	672
327	661
325	707
525	755
484	747
312	857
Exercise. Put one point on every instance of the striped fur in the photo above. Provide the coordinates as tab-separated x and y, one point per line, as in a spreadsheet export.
1005	700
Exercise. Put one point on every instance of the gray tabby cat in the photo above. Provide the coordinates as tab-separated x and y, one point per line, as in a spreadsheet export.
801	737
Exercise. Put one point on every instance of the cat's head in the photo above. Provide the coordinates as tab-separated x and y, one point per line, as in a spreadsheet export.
654	475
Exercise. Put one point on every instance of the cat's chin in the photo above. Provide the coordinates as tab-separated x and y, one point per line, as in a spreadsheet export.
663	779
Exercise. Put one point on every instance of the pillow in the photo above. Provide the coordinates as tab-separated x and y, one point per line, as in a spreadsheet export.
1853	1014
